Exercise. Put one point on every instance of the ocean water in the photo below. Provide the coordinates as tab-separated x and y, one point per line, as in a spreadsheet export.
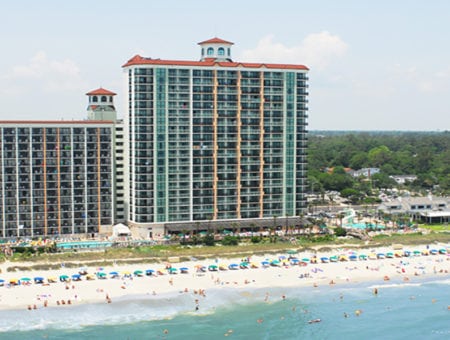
398	311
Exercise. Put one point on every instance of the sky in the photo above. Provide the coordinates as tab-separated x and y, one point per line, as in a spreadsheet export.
374	65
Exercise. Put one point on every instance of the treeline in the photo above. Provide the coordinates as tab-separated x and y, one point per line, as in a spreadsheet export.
426	155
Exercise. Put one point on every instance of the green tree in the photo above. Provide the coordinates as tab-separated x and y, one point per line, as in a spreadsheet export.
339	231
379	156
208	240
230	240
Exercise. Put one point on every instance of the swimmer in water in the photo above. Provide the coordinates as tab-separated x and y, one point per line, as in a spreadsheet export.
314	321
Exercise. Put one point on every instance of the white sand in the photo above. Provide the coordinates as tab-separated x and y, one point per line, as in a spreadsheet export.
404	269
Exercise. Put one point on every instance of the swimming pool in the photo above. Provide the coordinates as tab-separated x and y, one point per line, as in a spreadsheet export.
364	226
83	245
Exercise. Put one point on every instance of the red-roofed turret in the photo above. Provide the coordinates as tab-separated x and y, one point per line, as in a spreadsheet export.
216	49
101	105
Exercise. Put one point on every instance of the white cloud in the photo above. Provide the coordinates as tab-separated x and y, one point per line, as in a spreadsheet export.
420	79
317	50
46	75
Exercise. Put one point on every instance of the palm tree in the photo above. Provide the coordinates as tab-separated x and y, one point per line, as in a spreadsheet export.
340	216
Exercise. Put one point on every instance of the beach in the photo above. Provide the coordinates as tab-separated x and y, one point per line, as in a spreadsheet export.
267	274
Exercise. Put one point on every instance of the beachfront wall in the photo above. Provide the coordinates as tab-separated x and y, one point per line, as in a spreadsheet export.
56	177
215	140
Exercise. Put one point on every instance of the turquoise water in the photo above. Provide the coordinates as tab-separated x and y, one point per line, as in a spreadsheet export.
399	311
83	245
364	226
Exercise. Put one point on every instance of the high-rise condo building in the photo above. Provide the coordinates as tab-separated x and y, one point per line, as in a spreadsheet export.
214	140
57	177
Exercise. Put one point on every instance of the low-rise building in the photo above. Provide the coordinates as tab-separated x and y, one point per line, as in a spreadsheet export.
429	209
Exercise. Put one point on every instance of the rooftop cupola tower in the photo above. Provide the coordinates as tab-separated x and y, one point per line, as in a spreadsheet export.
101	105
216	49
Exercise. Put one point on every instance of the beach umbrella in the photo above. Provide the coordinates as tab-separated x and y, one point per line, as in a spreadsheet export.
149	272
233	266
138	273
52	279
63	278
184	270
282	257
223	266
363	257
14	281
25	280
200	268
324	259
275	263
295	261
389	255
407	253
244	265
92	277
433	252
416	252
265	263
212	267
172	270
101	275
253	265
381	256
334	258
353	257
76	277
83	271
2	282
442	251
38	279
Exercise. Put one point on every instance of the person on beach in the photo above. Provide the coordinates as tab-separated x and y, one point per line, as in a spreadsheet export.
196	305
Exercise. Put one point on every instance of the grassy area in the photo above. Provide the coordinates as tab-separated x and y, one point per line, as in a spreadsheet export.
436	227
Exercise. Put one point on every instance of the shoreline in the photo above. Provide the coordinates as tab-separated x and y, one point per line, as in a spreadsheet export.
197	285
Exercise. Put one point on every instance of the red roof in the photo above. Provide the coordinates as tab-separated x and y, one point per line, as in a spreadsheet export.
209	62
101	92
215	40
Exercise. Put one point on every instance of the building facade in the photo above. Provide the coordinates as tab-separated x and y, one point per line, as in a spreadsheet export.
214	140
56	177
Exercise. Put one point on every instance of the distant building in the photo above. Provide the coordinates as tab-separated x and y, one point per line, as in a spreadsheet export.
403	179
429	209
364	172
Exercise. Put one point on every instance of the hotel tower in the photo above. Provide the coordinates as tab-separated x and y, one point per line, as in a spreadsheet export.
57	177
214	141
